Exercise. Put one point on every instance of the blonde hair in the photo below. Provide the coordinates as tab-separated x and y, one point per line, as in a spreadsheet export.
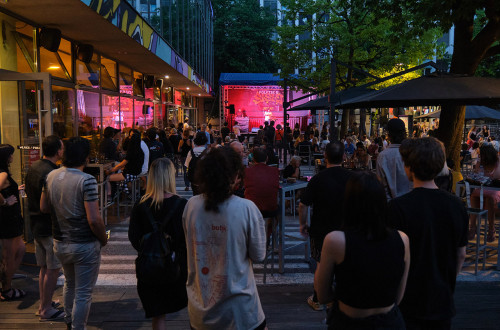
161	180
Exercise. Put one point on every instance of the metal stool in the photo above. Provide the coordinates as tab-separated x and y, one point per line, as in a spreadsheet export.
480	215
272	240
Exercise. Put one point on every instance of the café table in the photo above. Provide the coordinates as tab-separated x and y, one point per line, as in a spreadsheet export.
284	188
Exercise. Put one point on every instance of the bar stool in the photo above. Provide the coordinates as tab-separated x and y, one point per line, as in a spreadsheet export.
480	228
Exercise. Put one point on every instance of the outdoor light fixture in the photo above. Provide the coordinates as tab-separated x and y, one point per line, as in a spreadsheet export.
167	77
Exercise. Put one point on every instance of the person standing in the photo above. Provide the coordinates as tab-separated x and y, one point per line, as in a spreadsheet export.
199	150
436	224
79	231
41	226
369	260
237	130
390	167
11	225
224	131
325	193
155	147
225	234
161	204
270	133
184	147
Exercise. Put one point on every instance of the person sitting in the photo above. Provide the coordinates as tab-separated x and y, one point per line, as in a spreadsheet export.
268	147
262	183
370	262
108	148
292	170
361	157
315	146
491	166
349	146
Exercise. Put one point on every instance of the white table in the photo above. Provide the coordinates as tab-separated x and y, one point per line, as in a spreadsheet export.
284	188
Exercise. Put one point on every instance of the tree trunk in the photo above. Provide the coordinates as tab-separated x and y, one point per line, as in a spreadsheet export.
346	113
450	132
362	121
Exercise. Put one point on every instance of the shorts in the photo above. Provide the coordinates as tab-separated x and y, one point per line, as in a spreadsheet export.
316	246
44	253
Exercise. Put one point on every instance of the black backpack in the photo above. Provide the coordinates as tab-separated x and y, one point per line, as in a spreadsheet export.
157	261
193	162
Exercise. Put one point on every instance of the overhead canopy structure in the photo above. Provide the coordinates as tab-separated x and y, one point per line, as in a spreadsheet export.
442	89
341	97
471	112
249	79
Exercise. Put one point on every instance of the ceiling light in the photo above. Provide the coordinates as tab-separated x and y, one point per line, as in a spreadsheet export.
53	67
199	94
167	77
187	88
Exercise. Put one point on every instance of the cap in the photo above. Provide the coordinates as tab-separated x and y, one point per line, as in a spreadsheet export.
396	125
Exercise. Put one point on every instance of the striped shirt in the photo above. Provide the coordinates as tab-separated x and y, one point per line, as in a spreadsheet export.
67	190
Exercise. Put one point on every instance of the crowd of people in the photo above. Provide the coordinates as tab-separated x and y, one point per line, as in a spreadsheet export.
375	235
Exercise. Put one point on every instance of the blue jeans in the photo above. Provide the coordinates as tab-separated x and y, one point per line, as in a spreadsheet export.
184	171
80	262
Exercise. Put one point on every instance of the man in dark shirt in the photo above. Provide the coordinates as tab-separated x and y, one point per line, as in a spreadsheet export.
224	131
270	133
155	147
436	223
108	147
325	193
41	226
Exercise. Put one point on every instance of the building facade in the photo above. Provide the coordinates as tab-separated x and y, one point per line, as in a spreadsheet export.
110	68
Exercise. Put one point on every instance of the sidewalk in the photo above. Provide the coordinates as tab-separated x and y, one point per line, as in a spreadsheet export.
285	307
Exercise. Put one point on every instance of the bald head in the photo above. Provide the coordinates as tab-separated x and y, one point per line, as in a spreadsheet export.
237	146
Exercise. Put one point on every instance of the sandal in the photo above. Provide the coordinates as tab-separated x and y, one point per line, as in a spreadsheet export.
491	236
55	315
54	304
12	294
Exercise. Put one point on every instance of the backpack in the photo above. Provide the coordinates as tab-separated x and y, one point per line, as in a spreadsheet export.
157	261
193	162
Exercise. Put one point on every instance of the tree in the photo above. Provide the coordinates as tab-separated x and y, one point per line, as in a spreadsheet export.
476	36
351	31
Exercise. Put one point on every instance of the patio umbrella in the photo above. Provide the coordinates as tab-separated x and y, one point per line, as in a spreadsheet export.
441	89
341	97
471	112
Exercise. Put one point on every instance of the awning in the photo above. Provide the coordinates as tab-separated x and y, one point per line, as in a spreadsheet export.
443	89
471	112
249	79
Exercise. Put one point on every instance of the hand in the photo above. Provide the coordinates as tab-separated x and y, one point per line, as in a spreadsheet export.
21	187
304	230
11	200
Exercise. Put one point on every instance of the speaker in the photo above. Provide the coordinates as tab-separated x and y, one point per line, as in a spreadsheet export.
50	39
84	52
231	109
149	81
159	83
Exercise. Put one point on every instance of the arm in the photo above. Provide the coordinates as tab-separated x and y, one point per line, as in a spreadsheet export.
181	142
134	229
402	284
120	166
331	255
256	235
95	221
460	258
304	229
44	203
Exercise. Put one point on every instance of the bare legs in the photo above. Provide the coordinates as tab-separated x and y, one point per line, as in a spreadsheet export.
159	322
47	285
12	253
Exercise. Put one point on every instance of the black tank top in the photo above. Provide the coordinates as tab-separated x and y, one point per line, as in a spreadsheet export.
185	148
371	272
11	212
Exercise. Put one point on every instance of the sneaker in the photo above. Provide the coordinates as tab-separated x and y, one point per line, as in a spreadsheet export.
314	304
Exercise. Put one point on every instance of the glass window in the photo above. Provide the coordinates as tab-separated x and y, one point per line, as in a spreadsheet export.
138	84
89	113
110	111
149	93
63	111
23	39
127	113
58	63
168	95
108	74
126	80
88	73
159	115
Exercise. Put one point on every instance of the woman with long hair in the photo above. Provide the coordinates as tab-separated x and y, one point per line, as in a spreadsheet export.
11	225
131	166
225	234
166	207
369	260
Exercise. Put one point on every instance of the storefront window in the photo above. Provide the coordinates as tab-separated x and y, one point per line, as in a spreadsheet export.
17	52
138	84
168	95
126	113
63	111
149	93
88	73
108	74
138	115
110	111
159	111
126	80
89	113
57	63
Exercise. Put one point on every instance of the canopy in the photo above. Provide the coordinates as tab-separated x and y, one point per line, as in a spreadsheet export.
249	79
471	112
442	89
341	97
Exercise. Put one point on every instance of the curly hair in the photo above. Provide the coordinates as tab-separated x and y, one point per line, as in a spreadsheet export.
6	150
216	174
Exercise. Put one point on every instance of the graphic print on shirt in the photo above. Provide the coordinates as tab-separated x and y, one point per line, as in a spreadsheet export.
211	259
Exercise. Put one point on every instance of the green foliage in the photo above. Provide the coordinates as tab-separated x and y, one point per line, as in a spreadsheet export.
355	33
242	37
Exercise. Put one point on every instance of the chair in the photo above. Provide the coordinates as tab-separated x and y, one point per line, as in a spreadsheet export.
305	153
478	247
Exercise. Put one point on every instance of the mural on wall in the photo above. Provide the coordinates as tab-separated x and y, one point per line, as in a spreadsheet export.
122	15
